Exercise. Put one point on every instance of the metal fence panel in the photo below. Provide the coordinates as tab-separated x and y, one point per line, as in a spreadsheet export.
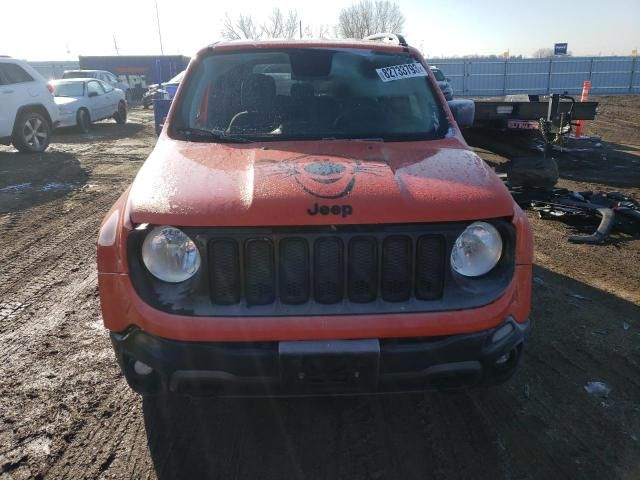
486	78
635	78
497	77
568	75
612	75
527	76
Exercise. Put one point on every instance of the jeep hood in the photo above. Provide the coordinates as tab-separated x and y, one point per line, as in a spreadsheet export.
315	182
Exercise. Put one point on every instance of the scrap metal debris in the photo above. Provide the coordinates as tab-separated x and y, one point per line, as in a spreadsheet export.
610	211
569	144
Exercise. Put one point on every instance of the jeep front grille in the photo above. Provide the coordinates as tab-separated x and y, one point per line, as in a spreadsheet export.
323	270
326	269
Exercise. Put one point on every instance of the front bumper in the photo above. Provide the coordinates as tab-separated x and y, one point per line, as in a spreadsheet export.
326	367
67	120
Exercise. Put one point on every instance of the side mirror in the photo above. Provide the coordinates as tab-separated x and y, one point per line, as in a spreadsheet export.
93	94
463	111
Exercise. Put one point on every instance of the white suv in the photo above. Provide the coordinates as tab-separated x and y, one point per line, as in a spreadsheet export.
28	112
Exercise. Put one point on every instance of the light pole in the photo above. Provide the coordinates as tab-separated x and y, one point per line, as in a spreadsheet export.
159	32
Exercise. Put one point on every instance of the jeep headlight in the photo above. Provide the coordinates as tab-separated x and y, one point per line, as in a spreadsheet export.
170	255
477	250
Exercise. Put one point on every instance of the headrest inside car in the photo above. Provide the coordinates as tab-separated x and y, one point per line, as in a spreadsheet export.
258	92
302	90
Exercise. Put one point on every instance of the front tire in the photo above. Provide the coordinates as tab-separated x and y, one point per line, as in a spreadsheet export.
121	115
32	133
83	121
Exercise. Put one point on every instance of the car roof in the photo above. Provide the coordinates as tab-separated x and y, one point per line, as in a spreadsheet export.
320	43
87	71
74	80
7	58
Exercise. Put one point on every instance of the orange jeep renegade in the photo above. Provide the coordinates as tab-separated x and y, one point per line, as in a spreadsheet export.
311	221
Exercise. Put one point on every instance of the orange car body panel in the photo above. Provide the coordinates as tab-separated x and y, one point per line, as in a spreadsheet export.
266	184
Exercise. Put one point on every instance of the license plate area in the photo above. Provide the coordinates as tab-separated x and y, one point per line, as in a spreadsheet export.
329	366
523	124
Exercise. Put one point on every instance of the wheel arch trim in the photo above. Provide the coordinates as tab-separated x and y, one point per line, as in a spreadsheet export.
38	107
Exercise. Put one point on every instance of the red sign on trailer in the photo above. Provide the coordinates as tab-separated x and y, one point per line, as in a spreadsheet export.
523	124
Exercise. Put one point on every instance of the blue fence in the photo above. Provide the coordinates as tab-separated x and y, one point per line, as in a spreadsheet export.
496	77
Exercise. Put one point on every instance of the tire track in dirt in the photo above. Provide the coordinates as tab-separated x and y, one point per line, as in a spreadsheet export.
80	211
54	417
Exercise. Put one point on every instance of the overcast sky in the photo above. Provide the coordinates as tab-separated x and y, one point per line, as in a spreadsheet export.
64	29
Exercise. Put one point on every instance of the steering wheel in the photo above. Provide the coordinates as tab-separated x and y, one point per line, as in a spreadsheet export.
233	120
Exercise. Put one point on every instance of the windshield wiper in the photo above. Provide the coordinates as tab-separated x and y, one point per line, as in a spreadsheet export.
213	134
357	139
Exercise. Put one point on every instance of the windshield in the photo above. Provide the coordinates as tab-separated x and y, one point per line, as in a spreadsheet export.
78	74
439	75
312	94
68	89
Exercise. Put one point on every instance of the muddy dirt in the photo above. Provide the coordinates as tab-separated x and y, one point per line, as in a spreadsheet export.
66	412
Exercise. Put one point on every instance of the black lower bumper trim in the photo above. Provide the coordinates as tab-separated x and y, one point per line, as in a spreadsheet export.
319	367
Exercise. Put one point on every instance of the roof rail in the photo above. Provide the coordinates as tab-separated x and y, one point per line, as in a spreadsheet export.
394	38
5	56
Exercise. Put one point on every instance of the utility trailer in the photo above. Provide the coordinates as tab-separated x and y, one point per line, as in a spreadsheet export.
524	112
553	116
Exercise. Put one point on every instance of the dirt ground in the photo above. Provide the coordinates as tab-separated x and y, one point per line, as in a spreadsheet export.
66	412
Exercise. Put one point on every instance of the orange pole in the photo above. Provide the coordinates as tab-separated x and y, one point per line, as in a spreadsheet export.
586	87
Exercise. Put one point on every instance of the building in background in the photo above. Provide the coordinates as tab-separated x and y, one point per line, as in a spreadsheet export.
138	71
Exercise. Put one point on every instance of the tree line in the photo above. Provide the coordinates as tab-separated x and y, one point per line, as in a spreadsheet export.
363	18
358	20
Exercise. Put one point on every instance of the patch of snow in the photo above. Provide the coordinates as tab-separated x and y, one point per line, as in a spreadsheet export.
54	186
579	297
598	389
15	188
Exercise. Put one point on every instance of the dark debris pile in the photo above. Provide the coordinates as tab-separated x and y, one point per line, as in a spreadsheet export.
606	211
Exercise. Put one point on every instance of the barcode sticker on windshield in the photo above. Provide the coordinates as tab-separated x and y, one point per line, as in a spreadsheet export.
399	72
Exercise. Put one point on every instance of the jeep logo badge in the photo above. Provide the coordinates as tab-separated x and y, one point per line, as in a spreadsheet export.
344	210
